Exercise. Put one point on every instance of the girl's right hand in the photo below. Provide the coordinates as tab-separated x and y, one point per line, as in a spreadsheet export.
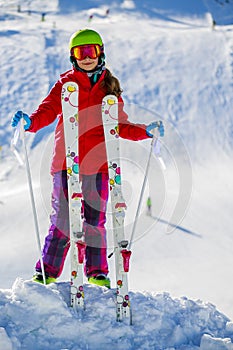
18	115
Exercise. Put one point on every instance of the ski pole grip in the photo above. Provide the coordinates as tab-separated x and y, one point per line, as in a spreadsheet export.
157	133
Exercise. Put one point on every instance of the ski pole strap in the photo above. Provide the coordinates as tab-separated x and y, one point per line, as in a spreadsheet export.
157	151
14	143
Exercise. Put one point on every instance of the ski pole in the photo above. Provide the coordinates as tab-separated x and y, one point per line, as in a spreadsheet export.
154	142
20	131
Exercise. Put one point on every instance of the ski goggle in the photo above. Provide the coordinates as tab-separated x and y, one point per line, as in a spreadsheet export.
80	52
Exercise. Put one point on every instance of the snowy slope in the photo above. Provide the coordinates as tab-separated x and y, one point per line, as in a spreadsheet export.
169	60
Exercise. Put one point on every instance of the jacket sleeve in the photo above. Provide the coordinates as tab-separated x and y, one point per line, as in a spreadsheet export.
48	110
128	130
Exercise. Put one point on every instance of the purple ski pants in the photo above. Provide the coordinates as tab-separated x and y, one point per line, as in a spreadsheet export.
56	246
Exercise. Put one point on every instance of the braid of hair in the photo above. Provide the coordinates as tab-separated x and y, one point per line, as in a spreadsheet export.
111	84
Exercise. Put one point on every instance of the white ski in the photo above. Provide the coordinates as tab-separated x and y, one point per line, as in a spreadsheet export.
122	254
69	99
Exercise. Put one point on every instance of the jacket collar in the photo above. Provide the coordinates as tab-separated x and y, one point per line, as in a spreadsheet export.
81	77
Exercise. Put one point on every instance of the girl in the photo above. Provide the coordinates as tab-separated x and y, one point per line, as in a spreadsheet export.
94	81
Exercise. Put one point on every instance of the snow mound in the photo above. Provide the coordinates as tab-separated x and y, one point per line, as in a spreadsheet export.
33	316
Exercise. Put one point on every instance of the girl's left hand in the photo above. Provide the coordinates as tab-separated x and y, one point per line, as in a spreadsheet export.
154	127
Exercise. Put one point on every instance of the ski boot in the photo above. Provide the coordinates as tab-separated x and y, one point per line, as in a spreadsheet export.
38	277
100	280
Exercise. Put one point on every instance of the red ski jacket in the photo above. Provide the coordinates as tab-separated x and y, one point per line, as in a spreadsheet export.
92	151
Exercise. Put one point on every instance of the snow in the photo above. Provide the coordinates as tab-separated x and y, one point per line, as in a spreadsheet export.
37	317
173	64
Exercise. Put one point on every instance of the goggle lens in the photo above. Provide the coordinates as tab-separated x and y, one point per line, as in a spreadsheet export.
81	52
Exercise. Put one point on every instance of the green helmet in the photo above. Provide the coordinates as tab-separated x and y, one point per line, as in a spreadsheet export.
85	37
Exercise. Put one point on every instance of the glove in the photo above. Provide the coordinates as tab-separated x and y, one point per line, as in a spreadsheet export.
151	129
18	115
